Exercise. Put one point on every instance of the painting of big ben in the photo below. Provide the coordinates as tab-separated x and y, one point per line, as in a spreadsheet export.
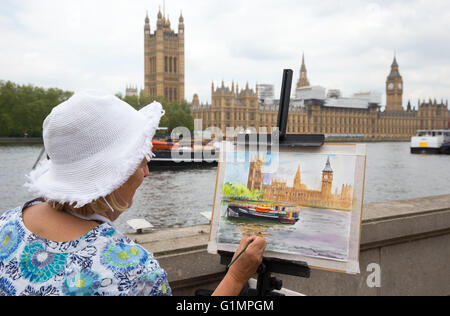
298	192
306	203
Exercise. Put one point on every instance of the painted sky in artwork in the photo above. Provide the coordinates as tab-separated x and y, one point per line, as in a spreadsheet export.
311	166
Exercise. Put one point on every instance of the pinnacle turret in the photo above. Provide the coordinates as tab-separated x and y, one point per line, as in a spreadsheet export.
328	166
303	80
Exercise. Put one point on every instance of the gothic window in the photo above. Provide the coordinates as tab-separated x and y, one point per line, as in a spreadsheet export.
165	64
175	65
170	64
175	96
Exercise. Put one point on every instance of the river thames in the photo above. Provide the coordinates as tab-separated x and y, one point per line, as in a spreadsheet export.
177	198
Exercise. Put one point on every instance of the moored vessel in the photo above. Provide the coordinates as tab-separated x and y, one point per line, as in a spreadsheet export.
431	142
170	155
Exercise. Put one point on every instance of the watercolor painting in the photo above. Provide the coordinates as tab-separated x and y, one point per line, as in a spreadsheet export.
302	203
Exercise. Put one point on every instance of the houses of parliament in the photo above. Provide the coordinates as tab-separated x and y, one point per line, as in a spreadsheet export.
313	111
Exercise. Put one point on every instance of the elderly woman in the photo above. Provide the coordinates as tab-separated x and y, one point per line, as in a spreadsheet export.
65	242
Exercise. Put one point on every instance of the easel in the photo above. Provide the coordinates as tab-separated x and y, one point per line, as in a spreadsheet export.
266	283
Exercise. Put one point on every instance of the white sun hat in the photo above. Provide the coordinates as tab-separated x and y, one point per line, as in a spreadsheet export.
95	142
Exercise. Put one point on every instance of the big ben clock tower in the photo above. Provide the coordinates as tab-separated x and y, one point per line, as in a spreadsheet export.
394	89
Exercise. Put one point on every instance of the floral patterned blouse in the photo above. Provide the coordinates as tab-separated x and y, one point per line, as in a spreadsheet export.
102	262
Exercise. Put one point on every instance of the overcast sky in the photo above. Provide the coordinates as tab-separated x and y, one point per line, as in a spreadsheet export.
348	44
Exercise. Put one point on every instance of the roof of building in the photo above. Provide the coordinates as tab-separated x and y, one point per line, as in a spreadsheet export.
394	70
328	166
352	103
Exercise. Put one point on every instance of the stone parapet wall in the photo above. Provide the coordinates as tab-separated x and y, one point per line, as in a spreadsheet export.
409	240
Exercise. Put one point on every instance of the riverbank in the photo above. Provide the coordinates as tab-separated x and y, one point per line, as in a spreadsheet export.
21	140
366	140
38	140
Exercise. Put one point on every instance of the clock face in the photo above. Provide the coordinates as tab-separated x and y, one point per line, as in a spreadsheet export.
399	85
391	86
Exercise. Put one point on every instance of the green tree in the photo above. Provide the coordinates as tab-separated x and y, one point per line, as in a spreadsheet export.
238	191
23	108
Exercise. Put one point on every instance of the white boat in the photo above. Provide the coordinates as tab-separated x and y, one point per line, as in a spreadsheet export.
431	141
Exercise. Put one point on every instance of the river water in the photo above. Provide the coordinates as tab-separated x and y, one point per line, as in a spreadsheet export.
177	198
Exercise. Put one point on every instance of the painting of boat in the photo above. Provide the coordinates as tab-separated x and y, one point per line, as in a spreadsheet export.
284	214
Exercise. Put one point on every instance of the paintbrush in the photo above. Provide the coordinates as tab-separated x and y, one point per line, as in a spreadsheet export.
239	255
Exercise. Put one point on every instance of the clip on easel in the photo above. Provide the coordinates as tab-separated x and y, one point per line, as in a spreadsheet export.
266	284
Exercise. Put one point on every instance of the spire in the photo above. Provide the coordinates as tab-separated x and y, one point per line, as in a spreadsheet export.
298	179
181	20
147	25
328	166
159	13
168	22
394	63
303	62
303	80
181	24
394	70
160	23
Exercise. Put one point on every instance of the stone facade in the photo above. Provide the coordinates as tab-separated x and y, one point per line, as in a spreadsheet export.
235	108
132	91
164	59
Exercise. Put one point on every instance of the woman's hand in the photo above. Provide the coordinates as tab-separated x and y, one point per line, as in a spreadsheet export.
244	267
247	264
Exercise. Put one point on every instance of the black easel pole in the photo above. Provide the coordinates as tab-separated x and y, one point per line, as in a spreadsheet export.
285	99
